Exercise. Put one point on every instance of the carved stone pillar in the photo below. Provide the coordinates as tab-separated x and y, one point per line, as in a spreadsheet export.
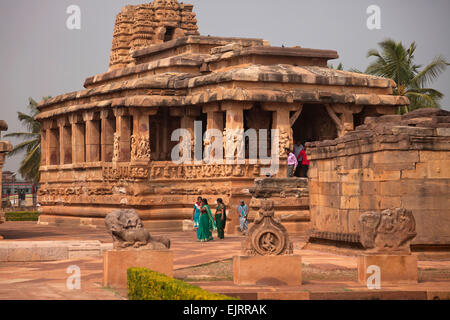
187	122
44	146
140	141
65	141
108	125
93	128
214	121
52	150
234	121
78	138
165	134
282	122
122	142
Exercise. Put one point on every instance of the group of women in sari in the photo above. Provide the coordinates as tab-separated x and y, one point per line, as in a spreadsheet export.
204	221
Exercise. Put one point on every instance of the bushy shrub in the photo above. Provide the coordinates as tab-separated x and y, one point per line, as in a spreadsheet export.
22	216
144	284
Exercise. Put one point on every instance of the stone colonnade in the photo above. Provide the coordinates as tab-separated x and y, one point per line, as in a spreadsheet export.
129	134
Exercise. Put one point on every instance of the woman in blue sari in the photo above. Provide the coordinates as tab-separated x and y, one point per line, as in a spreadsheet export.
206	223
196	212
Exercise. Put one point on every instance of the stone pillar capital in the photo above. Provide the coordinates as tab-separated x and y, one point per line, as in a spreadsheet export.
346	108
75	118
236	105
49	124
120	112
211	107
138	112
276	106
90	116
106	114
62	122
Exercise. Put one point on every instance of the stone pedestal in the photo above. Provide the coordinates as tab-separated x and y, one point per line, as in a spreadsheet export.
267	270
117	262
394	269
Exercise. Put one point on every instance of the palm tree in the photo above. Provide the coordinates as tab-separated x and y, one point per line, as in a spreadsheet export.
397	63
29	167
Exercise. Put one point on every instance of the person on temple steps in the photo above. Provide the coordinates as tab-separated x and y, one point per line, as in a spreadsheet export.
298	147
292	163
304	163
243	216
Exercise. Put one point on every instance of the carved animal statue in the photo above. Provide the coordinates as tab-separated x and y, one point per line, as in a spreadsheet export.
127	230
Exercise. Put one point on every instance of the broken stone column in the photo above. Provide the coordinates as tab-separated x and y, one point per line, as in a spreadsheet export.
387	237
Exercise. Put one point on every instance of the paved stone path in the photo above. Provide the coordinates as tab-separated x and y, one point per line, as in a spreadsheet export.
47	280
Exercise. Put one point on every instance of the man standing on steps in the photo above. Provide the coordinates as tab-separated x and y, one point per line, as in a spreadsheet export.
243	215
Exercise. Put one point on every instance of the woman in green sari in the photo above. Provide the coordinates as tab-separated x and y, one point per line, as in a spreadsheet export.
206	223
221	218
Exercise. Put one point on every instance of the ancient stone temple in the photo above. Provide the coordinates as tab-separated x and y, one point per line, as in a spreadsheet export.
5	147
110	146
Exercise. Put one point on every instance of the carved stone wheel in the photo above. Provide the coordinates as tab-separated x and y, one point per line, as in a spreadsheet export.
269	242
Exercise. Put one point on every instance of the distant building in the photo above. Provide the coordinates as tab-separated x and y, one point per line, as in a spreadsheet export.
17	193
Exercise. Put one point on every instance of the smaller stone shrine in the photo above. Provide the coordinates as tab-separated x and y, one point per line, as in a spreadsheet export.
387	237
267	253
134	247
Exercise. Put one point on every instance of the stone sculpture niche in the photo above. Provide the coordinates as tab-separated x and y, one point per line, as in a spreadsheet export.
127	231
388	232
267	236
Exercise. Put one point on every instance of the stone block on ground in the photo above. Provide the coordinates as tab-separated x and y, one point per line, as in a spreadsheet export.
394	269
34	251
267	270
117	262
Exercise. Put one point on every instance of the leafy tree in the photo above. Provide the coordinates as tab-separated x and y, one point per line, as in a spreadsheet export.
31	146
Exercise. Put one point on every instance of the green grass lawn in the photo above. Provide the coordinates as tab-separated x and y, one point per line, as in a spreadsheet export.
22	216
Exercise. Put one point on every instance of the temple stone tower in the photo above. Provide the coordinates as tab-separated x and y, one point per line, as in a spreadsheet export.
142	25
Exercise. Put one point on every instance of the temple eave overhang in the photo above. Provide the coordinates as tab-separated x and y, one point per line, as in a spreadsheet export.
219	95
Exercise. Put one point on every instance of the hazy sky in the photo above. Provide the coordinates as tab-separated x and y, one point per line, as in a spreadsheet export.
40	57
